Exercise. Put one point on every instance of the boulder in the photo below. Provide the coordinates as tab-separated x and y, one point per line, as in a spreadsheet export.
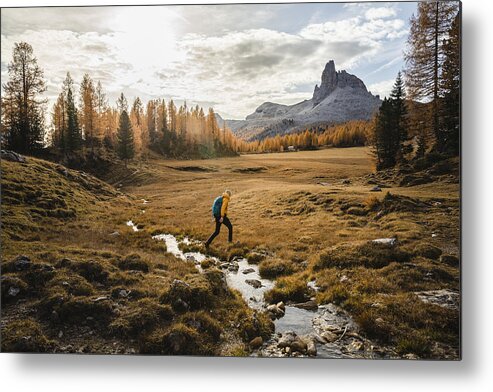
12	156
298	345
286	339
254	283
247	271
22	263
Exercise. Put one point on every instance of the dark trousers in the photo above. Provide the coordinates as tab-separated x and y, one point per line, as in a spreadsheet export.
228	224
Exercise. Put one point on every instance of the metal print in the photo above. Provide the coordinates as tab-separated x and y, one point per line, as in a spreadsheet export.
265	180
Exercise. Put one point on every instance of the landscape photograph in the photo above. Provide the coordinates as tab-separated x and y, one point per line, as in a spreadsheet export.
235	180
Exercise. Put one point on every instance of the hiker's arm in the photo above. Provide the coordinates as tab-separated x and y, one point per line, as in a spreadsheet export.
224	207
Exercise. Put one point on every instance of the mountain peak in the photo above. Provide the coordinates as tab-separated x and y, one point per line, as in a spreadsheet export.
331	79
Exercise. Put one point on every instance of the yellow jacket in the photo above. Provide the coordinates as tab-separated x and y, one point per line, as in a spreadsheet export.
224	208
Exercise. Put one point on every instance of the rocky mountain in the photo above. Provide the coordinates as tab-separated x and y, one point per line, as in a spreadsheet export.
340	97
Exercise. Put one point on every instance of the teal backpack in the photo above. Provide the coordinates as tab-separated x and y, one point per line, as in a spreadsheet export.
216	206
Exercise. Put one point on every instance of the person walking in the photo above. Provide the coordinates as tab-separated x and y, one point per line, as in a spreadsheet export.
220	214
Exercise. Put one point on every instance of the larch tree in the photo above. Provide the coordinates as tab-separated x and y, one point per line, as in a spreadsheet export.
101	108
22	106
88	112
424	59
450	114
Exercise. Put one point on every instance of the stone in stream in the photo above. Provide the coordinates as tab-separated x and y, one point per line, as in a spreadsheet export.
256	342
309	305
248	271
311	348
286	339
275	311
254	283
298	345
329	336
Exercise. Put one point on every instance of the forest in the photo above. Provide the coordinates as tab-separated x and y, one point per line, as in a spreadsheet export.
421	115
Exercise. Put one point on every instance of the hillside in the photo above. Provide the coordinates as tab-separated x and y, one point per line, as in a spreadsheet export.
341	97
77	278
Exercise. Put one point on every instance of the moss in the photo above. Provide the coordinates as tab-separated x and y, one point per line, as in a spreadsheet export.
13	288
253	323
427	250
195	293
204	323
92	270
75	310
25	336
140	317
71	284
133	262
272	268
179	339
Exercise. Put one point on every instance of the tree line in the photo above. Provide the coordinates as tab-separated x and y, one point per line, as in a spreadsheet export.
84	120
422	114
350	134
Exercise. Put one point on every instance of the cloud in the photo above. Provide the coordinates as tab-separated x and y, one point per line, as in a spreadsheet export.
234	57
382	88
380	13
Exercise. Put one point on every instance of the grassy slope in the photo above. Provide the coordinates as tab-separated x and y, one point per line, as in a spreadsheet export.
279	204
69	299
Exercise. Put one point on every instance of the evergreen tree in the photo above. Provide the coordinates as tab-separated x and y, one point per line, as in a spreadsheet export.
74	137
398	98
22	108
125	148
450	114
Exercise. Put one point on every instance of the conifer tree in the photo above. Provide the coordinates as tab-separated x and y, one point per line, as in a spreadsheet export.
450	114
74	137
424	59
125	148
22	107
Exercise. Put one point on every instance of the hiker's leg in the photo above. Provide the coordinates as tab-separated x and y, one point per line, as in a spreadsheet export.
215	234
228	224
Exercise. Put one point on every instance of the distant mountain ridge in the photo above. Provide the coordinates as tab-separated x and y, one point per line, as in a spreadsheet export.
340	97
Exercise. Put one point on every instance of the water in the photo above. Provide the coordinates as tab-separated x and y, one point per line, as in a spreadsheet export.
312	324
132	225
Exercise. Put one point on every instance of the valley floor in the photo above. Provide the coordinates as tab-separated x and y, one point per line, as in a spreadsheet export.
304	217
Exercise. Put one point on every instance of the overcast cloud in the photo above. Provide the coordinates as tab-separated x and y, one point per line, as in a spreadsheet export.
232	57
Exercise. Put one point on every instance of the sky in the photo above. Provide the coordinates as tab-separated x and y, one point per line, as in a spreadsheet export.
229	57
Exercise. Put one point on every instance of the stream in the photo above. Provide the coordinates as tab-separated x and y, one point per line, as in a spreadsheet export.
327	332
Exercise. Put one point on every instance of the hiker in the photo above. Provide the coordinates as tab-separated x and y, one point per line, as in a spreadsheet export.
220	212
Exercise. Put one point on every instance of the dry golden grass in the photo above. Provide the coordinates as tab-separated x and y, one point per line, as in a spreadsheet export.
292	207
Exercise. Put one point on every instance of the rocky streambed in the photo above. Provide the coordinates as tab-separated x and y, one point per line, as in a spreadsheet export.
301	330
